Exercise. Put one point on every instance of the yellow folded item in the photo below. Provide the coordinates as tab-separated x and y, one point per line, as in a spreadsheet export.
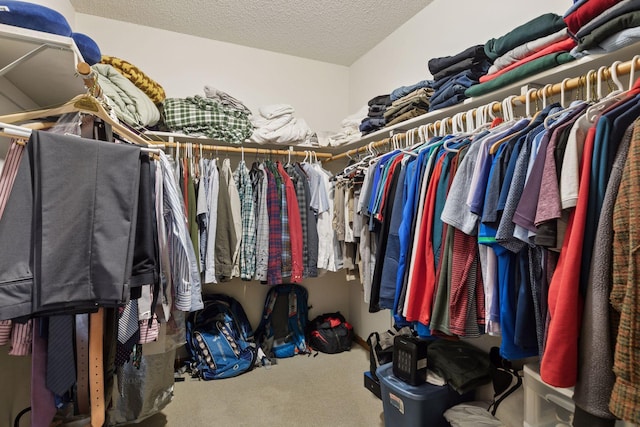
147	85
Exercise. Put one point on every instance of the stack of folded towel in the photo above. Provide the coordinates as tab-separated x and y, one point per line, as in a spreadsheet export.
276	124
349	130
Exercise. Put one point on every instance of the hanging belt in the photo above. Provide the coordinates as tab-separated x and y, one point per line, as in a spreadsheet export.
82	363
96	368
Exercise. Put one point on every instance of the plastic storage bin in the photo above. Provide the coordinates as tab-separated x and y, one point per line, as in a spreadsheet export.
371	384
546	405
405	405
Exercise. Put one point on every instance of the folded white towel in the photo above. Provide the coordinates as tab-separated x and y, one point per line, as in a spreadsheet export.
275	110
354	120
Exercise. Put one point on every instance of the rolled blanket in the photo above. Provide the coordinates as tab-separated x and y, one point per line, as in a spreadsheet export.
131	105
150	87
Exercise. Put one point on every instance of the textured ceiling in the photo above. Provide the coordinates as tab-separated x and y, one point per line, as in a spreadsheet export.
335	31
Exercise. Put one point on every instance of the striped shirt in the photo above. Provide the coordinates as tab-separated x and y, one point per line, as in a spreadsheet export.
184	265
247	213
260	182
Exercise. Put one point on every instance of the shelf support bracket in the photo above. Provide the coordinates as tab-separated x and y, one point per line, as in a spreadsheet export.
23	58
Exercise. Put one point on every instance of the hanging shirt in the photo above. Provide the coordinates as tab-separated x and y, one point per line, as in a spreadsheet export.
184	265
274	266
260	186
312	225
212	221
227	236
295	227
301	198
248	215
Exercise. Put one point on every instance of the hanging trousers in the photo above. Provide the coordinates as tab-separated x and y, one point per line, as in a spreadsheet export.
71	215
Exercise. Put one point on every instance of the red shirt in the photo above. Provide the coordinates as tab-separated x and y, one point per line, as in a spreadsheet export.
559	363
586	13
295	226
423	281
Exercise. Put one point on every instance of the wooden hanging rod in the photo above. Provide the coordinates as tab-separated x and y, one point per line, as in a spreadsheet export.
496	106
247	150
90	78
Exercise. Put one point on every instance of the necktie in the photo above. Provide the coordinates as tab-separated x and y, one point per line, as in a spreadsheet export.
61	365
128	332
43	407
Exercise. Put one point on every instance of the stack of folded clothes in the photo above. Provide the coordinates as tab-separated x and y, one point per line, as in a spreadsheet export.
601	26
402	91
535	46
349	130
453	75
201	116
413	104
375	117
225	99
276	124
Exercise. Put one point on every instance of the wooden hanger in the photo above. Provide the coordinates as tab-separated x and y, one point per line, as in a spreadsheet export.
79	104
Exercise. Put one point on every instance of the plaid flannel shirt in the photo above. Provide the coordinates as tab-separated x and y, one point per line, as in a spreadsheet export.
301	196
247	210
274	265
199	115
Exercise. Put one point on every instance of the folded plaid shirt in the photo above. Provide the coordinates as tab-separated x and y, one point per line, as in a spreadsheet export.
199	115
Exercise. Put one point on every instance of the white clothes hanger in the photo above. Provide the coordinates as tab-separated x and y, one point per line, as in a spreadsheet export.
600	77
563	88
25	132
13	130
613	70
528	97
632	72
590	75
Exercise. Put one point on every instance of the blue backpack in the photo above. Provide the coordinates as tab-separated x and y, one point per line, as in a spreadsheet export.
220	339
281	332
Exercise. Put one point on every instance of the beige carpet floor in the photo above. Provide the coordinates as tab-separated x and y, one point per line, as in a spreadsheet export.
326	390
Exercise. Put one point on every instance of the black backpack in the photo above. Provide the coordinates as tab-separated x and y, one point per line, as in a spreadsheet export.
284	321
330	333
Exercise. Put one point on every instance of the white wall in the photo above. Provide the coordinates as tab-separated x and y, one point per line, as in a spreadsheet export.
443	28
184	64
